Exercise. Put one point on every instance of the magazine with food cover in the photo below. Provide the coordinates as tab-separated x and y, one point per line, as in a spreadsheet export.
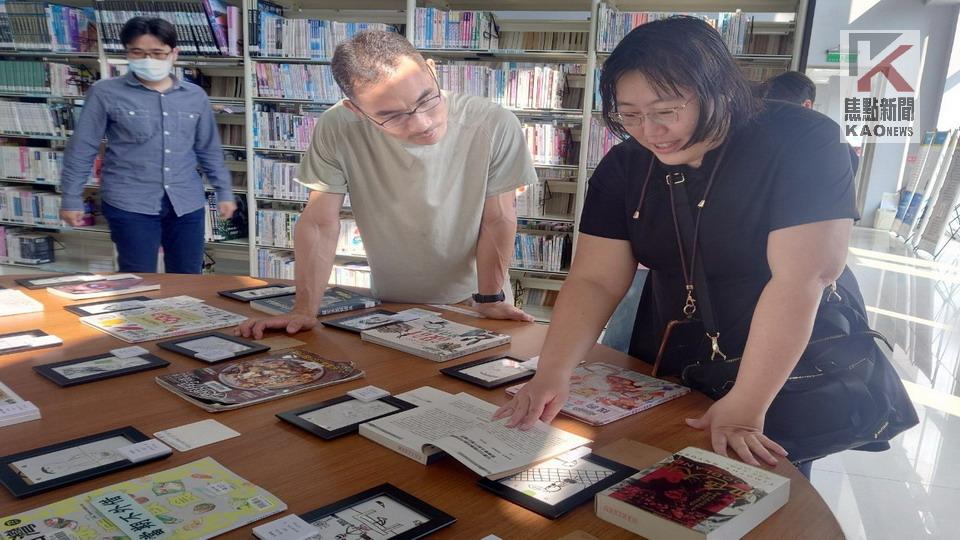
224	387
602	393
694	494
195	501
163	318
434	338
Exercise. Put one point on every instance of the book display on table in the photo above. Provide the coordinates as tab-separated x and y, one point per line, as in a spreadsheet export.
434	338
335	300
98	367
163	318
115	285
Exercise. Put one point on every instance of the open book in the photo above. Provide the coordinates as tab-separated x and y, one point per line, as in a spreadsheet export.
462	426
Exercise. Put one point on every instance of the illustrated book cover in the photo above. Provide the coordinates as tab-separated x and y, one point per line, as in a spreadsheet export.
113	286
602	393
335	300
224	387
694	494
434	338
163	318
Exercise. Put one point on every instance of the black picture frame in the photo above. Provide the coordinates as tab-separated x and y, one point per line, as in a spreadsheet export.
342	322
34	333
457	372
173	345
80	309
436	518
21	488
294	416
50	370
554	511
233	294
29	282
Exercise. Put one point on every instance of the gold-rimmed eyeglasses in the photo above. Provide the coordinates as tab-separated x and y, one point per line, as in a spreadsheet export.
661	117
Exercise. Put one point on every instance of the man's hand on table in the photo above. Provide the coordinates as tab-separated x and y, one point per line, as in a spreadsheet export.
292	322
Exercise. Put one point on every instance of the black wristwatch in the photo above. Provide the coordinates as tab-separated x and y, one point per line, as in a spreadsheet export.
489	298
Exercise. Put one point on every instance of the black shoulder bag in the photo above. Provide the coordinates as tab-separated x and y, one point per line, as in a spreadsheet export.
843	393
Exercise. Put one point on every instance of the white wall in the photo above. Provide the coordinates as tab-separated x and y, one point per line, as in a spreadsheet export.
937	24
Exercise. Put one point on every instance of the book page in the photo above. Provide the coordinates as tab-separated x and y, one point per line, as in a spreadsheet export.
425	425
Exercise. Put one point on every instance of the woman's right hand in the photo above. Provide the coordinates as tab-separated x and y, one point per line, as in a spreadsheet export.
540	399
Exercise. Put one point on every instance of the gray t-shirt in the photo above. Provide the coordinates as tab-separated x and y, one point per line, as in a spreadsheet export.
418	208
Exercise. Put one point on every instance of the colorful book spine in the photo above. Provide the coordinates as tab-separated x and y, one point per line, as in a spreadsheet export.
613	25
282	130
441	29
297	81
274	179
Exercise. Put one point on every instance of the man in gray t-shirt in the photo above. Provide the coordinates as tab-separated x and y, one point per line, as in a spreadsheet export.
431	176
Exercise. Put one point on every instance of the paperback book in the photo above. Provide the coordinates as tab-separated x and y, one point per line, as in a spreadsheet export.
195	501
694	494
164	318
434	338
14	302
230	386
14	409
335	300
602	393
112	286
462	426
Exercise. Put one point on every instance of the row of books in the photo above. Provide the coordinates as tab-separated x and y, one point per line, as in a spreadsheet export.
42	119
275	35
601	141
274	178
25	247
207	28
30	163
275	264
275	227
297	81
543	41
46	78
217	228
218	85
282	130
41	26
519	86
548	251
232	134
538	200
440	29
549	144
613	25
29	206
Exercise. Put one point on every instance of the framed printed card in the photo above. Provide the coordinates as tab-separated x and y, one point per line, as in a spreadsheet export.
260	292
492	371
97	367
213	347
363	321
380	512
557	486
26	341
343	415
107	306
57	465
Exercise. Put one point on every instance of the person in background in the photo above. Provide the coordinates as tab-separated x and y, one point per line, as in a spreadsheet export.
795	87
432	178
159	129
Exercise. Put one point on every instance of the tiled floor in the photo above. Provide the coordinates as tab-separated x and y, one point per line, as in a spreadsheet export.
912	490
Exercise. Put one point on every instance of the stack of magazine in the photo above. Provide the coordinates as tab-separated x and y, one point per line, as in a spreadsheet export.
163	318
434	338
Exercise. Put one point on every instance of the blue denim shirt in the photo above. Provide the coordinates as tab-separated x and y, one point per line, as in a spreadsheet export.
155	142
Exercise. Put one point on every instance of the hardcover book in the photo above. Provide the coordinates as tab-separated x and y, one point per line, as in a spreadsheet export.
462	426
694	494
335	300
434	338
602	393
230	386
161	319
104	288
195	501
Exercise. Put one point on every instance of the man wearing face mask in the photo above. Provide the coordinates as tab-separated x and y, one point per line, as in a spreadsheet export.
431	176
159	130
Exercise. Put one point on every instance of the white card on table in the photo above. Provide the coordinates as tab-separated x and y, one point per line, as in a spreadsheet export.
144	450
129	352
368	393
195	435
290	527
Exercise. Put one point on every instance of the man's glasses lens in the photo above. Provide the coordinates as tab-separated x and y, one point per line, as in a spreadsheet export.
403	118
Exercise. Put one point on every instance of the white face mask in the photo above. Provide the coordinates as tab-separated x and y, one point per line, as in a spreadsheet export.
151	69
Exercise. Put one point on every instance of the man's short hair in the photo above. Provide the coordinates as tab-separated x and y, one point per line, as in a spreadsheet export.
791	86
368	58
140	26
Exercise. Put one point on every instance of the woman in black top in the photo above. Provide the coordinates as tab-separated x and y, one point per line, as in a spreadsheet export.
774	227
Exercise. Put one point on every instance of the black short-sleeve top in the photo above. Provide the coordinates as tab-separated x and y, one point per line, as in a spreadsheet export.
788	166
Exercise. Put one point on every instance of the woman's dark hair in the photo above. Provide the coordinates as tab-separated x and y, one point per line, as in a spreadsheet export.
791	86
682	52
139	26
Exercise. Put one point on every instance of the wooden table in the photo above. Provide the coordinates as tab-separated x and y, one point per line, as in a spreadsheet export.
307	472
